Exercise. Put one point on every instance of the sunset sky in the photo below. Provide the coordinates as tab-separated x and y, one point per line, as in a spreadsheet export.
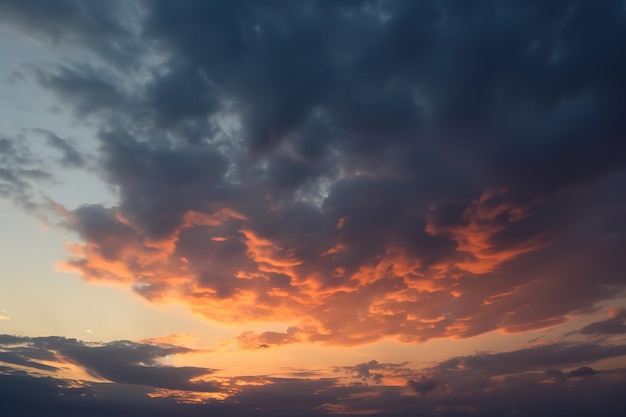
312	208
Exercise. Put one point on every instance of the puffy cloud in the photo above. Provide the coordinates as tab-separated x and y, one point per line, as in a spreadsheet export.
535	358
582	372
358	170
104	30
423	386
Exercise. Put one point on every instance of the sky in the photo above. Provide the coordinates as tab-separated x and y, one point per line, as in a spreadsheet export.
312	208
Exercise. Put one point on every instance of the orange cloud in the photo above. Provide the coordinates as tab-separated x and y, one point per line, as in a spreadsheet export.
339	247
251	340
189	397
269	256
176	339
223	268
474	238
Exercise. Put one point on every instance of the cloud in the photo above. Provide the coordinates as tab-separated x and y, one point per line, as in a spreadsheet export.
71	158
20	171
528	381
536	358
250	340
616	324
104	30
122	362
405	170
4	316
582	372
174	339
423	386
88	88
376	372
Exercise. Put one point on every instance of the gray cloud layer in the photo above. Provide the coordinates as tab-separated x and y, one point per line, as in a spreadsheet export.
531	381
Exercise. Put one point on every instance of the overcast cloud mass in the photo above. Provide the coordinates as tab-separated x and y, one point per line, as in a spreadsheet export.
359	170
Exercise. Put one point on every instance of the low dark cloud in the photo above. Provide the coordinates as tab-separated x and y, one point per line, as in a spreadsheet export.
122	362
488	384
423	386
20	359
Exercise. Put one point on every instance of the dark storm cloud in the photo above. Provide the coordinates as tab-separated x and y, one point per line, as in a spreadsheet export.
249	340
248	50
160	180
70	158
103	29
183	92
363	369
371	169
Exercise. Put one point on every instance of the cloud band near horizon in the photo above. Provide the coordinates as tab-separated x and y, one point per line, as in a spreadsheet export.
357	170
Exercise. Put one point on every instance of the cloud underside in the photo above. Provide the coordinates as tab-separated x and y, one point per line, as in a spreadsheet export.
532	381
360	170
